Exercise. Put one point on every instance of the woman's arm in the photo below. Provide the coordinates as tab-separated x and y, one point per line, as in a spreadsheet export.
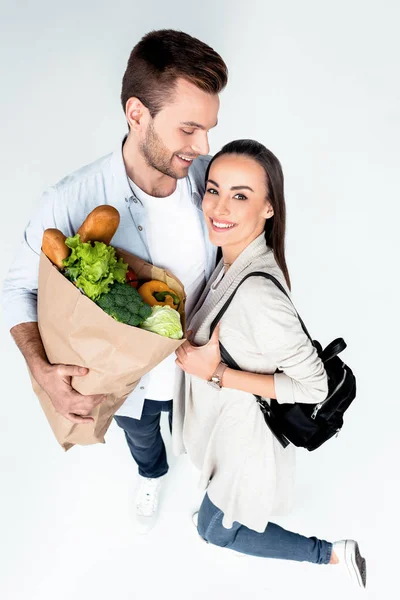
278	334
202	361
253	383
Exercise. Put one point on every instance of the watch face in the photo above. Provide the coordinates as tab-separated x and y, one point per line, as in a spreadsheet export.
214	382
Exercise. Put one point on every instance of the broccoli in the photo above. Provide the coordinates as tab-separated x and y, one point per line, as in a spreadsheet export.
124	303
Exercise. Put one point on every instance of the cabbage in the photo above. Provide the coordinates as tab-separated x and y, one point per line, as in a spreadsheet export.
165	321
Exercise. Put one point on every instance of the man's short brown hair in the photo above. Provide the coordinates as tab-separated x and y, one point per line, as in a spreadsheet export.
160	58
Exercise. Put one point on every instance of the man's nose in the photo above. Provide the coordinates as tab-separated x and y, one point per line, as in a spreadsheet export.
201	145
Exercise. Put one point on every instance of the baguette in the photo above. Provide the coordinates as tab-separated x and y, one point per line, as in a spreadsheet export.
53	246
100	225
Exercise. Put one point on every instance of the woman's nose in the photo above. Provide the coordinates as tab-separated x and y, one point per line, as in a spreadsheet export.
222	206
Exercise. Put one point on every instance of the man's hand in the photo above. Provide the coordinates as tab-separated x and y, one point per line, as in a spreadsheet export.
56	382
55	379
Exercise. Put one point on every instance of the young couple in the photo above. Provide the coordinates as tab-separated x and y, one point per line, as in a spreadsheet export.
177	205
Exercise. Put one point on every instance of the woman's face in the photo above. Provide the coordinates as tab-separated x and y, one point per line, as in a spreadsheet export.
234	204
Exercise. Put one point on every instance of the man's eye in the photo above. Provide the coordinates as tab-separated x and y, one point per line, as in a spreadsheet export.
211	191
188	132
241	197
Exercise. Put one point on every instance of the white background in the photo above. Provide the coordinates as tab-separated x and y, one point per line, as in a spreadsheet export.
317	82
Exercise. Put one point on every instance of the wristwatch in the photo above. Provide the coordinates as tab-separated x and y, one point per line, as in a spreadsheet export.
216	379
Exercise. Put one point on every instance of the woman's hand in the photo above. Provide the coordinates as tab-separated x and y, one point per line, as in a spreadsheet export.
201	361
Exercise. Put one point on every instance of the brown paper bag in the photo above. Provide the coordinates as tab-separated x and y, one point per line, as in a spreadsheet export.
76	331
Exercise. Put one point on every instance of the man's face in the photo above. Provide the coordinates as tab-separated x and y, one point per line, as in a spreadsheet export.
179	132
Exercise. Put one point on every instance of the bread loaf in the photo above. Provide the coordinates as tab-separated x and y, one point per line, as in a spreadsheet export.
53	246
100	225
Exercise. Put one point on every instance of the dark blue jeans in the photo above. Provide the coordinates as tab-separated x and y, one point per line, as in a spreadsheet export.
274	542
144	438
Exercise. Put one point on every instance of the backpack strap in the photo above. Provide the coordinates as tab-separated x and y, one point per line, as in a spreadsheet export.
330	352
269	416
266	276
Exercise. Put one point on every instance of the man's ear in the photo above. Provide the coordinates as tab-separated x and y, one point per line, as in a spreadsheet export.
268	211
135	113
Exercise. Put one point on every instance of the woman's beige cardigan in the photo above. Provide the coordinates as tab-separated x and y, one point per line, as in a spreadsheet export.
246	472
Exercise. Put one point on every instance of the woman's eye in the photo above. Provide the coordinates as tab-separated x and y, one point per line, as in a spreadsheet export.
211	191
188	132
241	197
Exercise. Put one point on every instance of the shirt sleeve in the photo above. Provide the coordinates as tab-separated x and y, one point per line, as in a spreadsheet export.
278	334
19	297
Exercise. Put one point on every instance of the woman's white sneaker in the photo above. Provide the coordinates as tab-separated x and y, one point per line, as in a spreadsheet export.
348	554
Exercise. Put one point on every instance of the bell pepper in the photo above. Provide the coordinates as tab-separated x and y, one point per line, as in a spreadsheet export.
156	292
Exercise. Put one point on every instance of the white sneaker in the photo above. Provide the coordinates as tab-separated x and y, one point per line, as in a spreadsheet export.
147	503
349	557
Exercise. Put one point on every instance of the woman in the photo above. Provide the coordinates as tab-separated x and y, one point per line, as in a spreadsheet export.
247	473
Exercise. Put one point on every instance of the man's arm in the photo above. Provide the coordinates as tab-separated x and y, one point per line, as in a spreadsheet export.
29	342
54	379
20	310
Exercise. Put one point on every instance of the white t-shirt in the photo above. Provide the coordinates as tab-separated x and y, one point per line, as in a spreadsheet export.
176	243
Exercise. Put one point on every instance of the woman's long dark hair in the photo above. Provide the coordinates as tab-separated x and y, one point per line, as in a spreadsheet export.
275	227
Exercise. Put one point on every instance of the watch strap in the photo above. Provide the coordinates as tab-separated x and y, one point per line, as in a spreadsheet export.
218	374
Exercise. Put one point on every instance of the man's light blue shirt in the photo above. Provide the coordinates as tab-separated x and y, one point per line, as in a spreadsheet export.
65	206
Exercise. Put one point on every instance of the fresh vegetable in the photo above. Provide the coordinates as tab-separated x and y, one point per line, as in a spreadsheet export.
131	277
165	321
124	304
92	265
157	293
93	268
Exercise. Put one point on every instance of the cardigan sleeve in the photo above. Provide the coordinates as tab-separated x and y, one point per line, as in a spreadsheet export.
278	334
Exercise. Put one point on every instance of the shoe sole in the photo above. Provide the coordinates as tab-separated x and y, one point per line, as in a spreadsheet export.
356	564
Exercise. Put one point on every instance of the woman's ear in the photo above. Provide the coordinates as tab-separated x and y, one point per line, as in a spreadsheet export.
268	211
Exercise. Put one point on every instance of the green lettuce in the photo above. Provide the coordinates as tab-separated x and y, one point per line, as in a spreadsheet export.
165	321
93	268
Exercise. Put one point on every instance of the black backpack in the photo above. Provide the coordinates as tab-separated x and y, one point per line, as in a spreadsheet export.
302	424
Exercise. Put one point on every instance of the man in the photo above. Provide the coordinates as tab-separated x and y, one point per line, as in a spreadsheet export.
156	180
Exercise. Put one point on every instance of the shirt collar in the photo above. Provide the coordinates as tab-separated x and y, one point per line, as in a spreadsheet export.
196	196
122	189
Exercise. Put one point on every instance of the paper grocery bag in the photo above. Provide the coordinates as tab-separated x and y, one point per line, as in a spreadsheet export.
75	331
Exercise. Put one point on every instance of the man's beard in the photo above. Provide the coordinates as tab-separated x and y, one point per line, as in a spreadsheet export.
157	155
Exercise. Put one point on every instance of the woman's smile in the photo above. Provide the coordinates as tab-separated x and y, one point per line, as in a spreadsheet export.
221	226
